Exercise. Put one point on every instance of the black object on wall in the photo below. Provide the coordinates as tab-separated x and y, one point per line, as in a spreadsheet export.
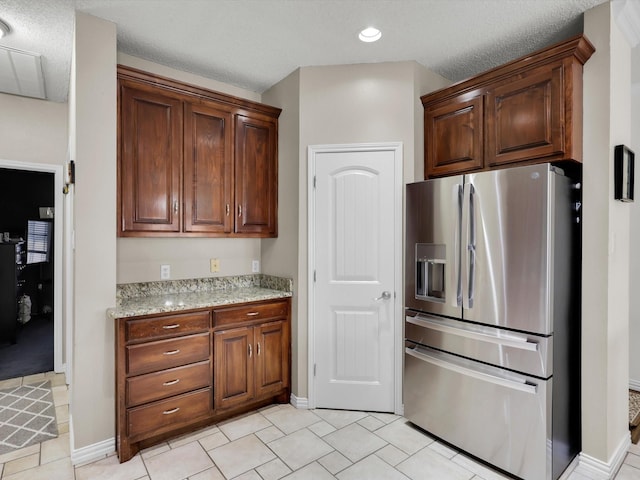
624	171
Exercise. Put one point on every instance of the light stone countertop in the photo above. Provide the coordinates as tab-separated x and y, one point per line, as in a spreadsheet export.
166	297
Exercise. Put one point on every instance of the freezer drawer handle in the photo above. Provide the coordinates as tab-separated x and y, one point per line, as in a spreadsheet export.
510	341
523	387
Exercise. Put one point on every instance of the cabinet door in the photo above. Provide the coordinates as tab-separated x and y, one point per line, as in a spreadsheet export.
150	161
453	136
233	380
256	164
272	355
525	117
208	169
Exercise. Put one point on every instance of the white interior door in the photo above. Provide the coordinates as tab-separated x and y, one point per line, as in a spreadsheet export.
354	250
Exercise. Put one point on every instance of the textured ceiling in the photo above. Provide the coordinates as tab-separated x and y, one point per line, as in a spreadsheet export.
255	43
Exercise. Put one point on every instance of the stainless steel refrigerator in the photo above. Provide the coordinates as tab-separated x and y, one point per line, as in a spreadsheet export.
492	327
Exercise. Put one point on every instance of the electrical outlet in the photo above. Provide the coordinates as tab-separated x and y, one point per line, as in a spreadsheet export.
255	266
214	265
165	272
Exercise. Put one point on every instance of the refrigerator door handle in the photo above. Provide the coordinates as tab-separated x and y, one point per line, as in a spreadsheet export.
511	340
467	250
457	201
425	356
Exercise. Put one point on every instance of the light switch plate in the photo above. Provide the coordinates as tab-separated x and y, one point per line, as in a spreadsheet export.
255	266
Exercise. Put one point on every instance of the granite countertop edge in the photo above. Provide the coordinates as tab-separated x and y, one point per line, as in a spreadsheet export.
170	299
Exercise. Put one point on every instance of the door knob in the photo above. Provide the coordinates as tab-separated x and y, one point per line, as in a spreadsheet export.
385	296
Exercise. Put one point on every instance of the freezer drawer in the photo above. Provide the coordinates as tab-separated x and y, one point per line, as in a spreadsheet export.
501	417
529	354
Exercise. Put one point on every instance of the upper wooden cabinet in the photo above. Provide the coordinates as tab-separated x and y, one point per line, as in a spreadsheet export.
526	111
193	162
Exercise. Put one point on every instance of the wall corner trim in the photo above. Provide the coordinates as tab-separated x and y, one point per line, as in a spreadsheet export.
599	470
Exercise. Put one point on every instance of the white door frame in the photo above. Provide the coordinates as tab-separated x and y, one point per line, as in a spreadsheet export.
312	151
59	222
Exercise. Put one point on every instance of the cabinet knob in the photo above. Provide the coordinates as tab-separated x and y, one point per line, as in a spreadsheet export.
239	210
250	351
227	209
175	206
258	348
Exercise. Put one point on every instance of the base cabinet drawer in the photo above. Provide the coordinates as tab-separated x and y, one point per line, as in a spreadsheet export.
165	414
174	381
154	356
168	325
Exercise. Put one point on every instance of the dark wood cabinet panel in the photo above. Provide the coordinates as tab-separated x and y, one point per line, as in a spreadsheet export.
167	383
526	111
193	162
233	367
525	117
208	169
168	414
161	354
272	373
256	176
168	326
454	131
150	161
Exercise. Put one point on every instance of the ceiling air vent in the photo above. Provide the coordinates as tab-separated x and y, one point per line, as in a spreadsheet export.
21	73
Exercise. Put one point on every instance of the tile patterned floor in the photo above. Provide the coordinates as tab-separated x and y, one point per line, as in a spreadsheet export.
278	442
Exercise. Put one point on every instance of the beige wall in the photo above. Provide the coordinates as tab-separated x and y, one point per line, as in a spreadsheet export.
605	295
33	130
280	255
139	259
337	105
92	386
634	283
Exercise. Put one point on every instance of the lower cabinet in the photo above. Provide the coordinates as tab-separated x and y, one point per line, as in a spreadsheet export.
176	372
250	362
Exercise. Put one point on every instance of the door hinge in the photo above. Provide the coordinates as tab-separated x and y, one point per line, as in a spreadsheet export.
314	276
314	369
314	181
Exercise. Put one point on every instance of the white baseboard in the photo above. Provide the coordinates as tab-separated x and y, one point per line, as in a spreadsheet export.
299	402
634	385
597	469
90	453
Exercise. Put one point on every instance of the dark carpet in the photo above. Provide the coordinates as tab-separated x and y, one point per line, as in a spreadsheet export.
32	352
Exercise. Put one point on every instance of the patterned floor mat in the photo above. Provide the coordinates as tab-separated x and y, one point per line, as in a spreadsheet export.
27	416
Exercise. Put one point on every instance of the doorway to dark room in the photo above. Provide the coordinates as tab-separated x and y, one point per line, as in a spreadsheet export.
26	272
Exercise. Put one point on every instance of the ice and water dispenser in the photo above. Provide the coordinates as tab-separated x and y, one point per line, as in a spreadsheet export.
430	272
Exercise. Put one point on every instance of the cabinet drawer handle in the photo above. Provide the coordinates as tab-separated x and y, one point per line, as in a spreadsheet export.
239	210
169	327
171	382
169	412
252	314
227	209
258	348
250	351
172	352
175	206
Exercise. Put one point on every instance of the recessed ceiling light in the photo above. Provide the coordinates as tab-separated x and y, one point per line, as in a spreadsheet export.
4	29
370	34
